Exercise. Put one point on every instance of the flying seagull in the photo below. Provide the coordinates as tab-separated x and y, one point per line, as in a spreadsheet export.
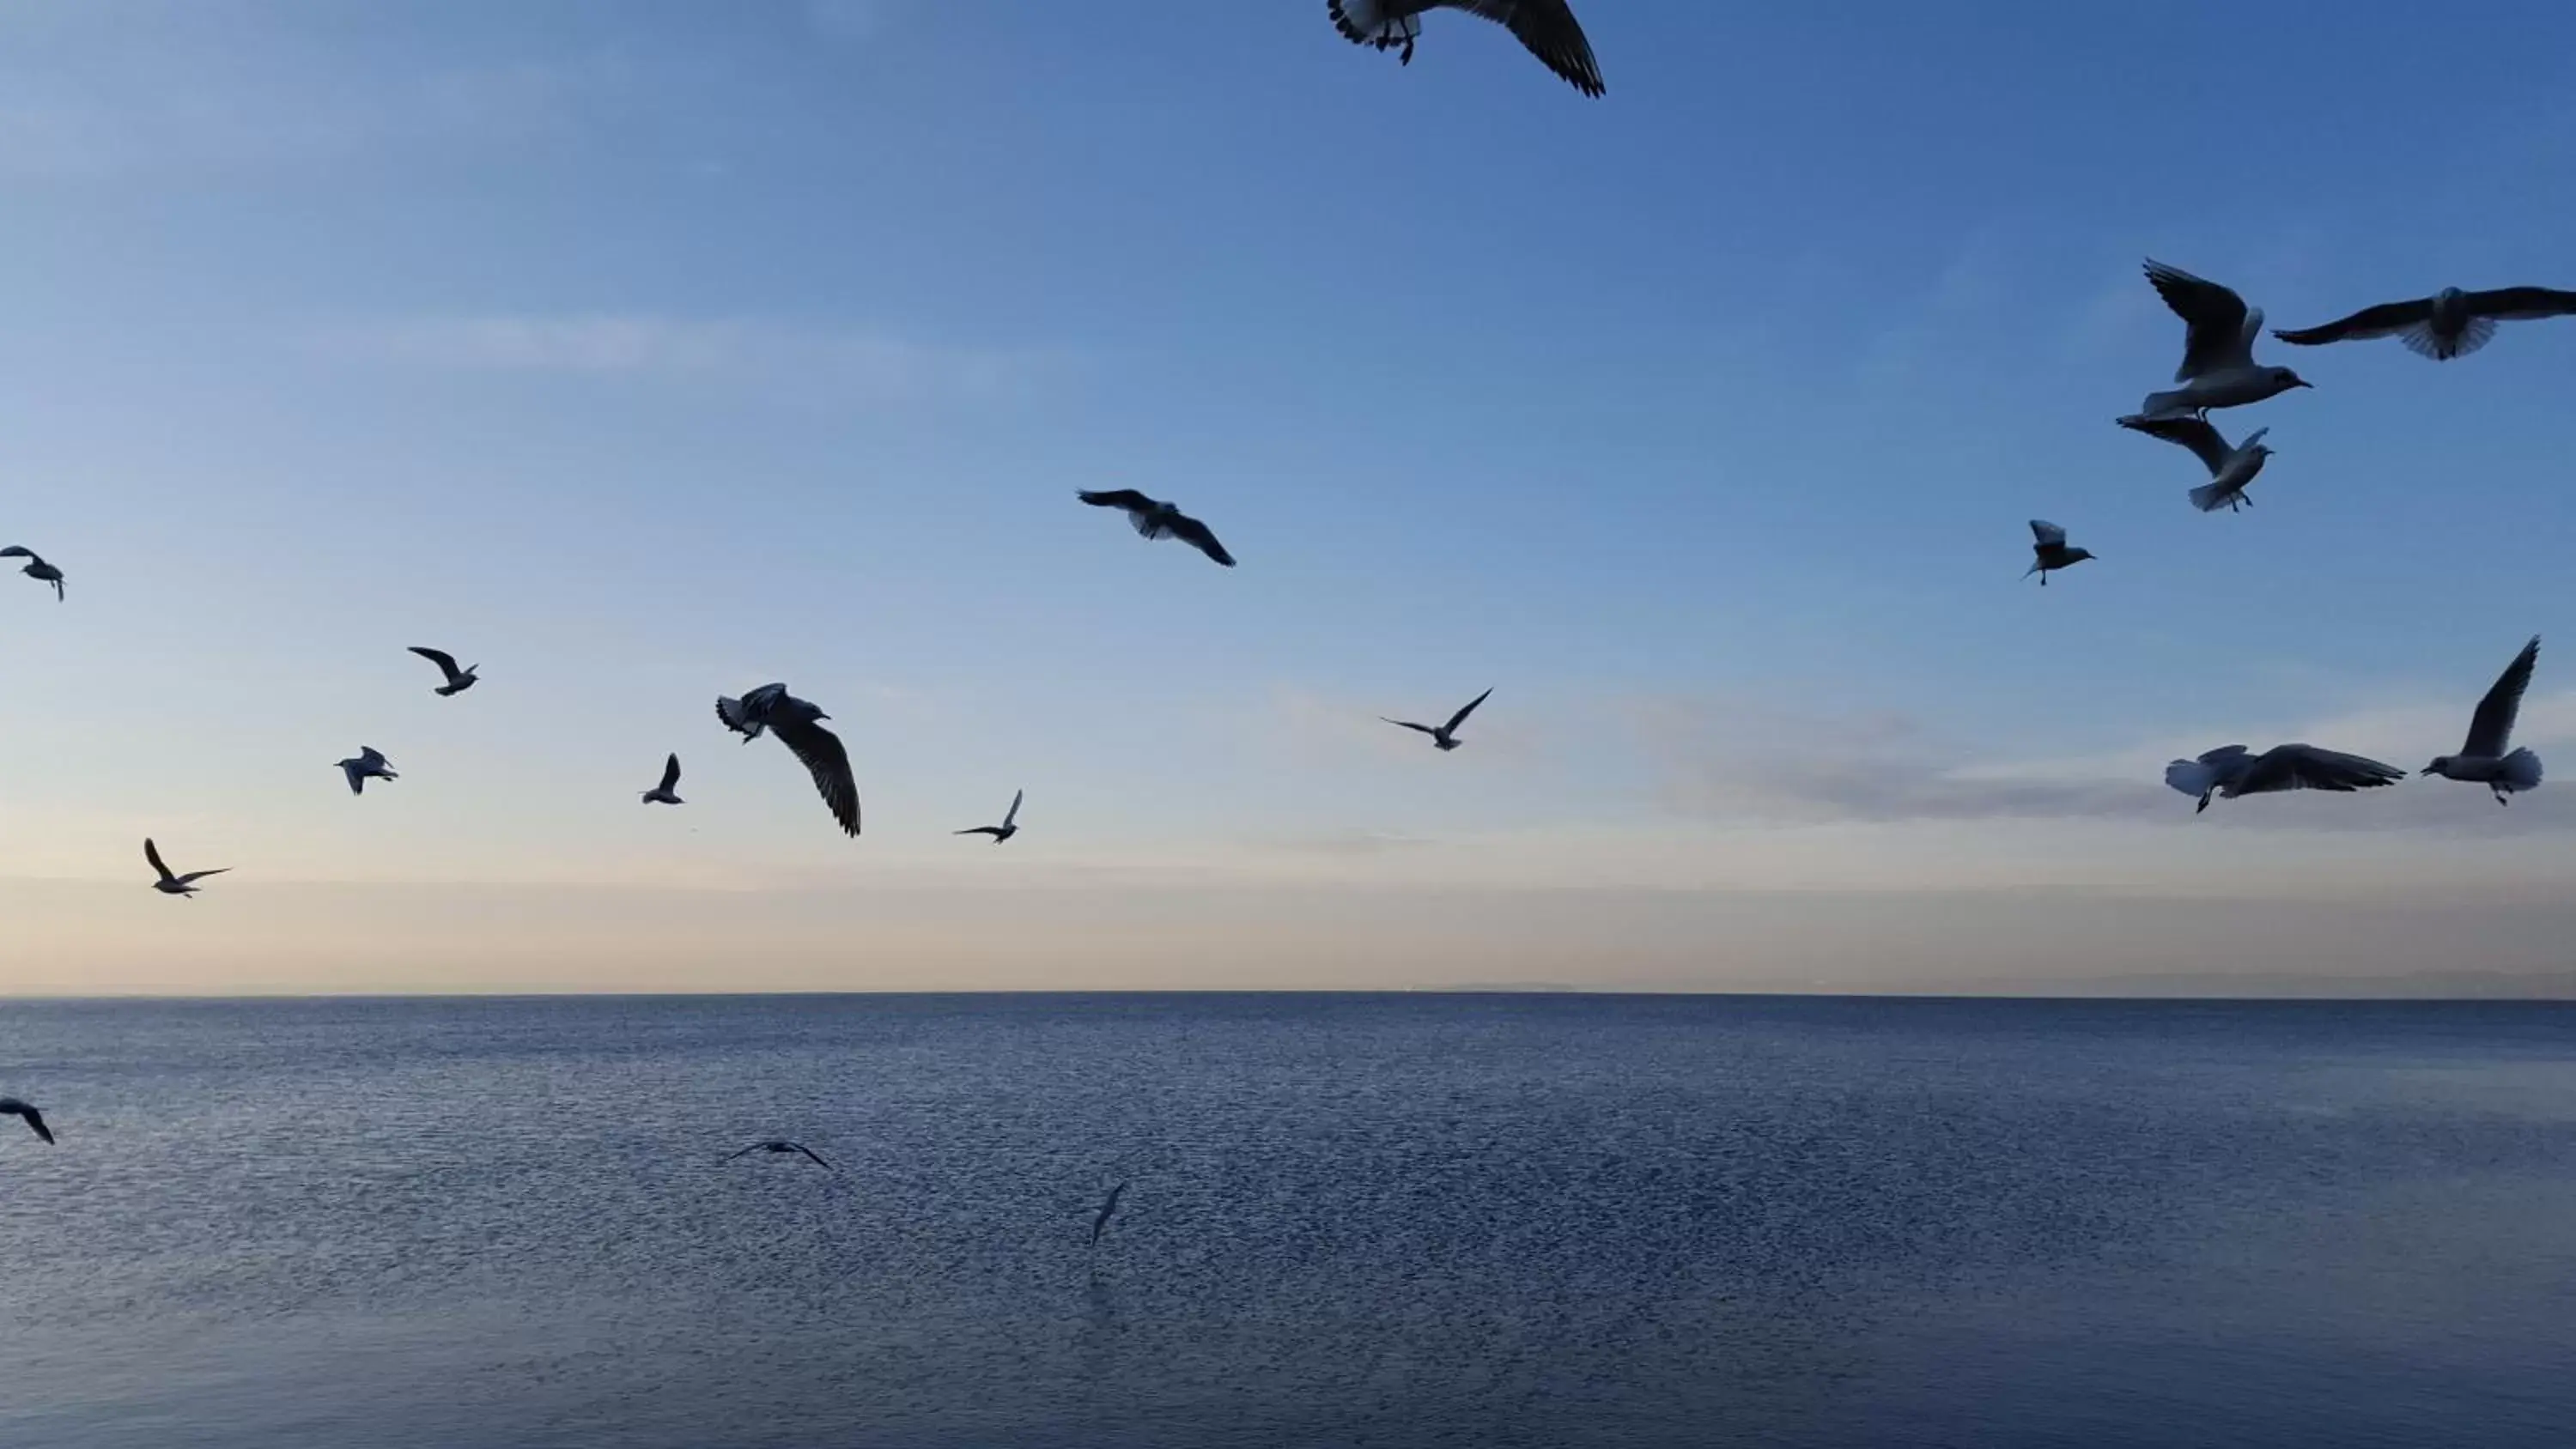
2450	323
771	707
1010	822
458	680
2233	770
661	794
12	1107
2050	552
781	1144
366	765
1156	519
1547	27
37	569
2231	468
1107	1210
175	885
1444	738
2218	369
2483	759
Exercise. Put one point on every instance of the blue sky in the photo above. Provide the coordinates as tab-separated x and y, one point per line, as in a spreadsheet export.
641	351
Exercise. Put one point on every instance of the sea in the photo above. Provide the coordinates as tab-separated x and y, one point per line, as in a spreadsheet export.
1403	1220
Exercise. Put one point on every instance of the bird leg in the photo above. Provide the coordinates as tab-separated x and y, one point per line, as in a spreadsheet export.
1407	57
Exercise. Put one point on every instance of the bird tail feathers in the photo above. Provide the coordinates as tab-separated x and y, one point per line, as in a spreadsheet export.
2521	771
1367	21
2191	777
2423	341
2211	497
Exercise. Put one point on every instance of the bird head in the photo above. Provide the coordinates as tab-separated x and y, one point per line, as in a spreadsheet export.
2079	555
2440	766
2449	294
2283	377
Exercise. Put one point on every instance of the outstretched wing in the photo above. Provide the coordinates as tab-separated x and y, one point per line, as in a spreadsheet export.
152	853
2491	728
370	756
2045	533
1408	724
2306	767
1548	28
823	757
445	661
670	774
1126	498
818	1160
2215	336
197	875
18	550
746	1152
2521	304
2385	320
1467	709
35	1119
1013	814
1194	533
2197	434
978	830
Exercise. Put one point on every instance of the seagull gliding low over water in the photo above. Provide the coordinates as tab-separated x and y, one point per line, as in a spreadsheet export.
2450	323
12	1107
781	1144
2484	760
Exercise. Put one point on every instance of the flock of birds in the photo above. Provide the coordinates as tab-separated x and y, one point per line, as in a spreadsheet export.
2218	370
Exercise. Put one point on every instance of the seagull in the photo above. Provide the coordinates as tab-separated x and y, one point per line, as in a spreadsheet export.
771	707
1444	738
175	885
1107	1208
2450	323
1156	519
2218	369
2230	468
2233	770
367	765
12	1107
2483	759
1009	826
781	1144
458	680
661	794
2050	551
37	569
1547	27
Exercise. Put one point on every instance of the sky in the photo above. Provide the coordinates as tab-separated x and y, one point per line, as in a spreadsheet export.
643	350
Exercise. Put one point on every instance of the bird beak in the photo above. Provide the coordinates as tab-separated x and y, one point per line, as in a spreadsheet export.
2303	382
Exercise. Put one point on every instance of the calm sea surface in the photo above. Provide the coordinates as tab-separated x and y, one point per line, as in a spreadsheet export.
1402	1221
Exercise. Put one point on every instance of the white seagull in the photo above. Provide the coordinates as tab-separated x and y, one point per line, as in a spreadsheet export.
458	680
1547	27
1107	1209
781	1144
2483	759
2049	552
2233	770
1444	738
771	707
366	765
175	885
12	1107
1010	822
2218	368
2450	323
661	794
1157	519
37	569
2231	468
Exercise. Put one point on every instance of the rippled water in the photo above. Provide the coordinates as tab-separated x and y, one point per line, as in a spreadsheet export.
1403	1221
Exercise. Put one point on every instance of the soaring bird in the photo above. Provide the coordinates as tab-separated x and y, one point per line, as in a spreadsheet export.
2233	770
2450	323
1156	519
2484	759
2218	368
781	1144
2049	551
366	765
1547	27
1444	738
661	794
793	720
37	569
175	885
1010	822
458	680
1107	1209
2231	468
12	1107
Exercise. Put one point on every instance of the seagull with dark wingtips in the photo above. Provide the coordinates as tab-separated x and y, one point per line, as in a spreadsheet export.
2450	323
37	569
2049	551
1156	519
175	885
661	794
458	680
796	723
2233	770
1108	1209
1547	27
366	765
1444	738
2484	760
781	1144
12	1107
1009	827
2231	467
2218	368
